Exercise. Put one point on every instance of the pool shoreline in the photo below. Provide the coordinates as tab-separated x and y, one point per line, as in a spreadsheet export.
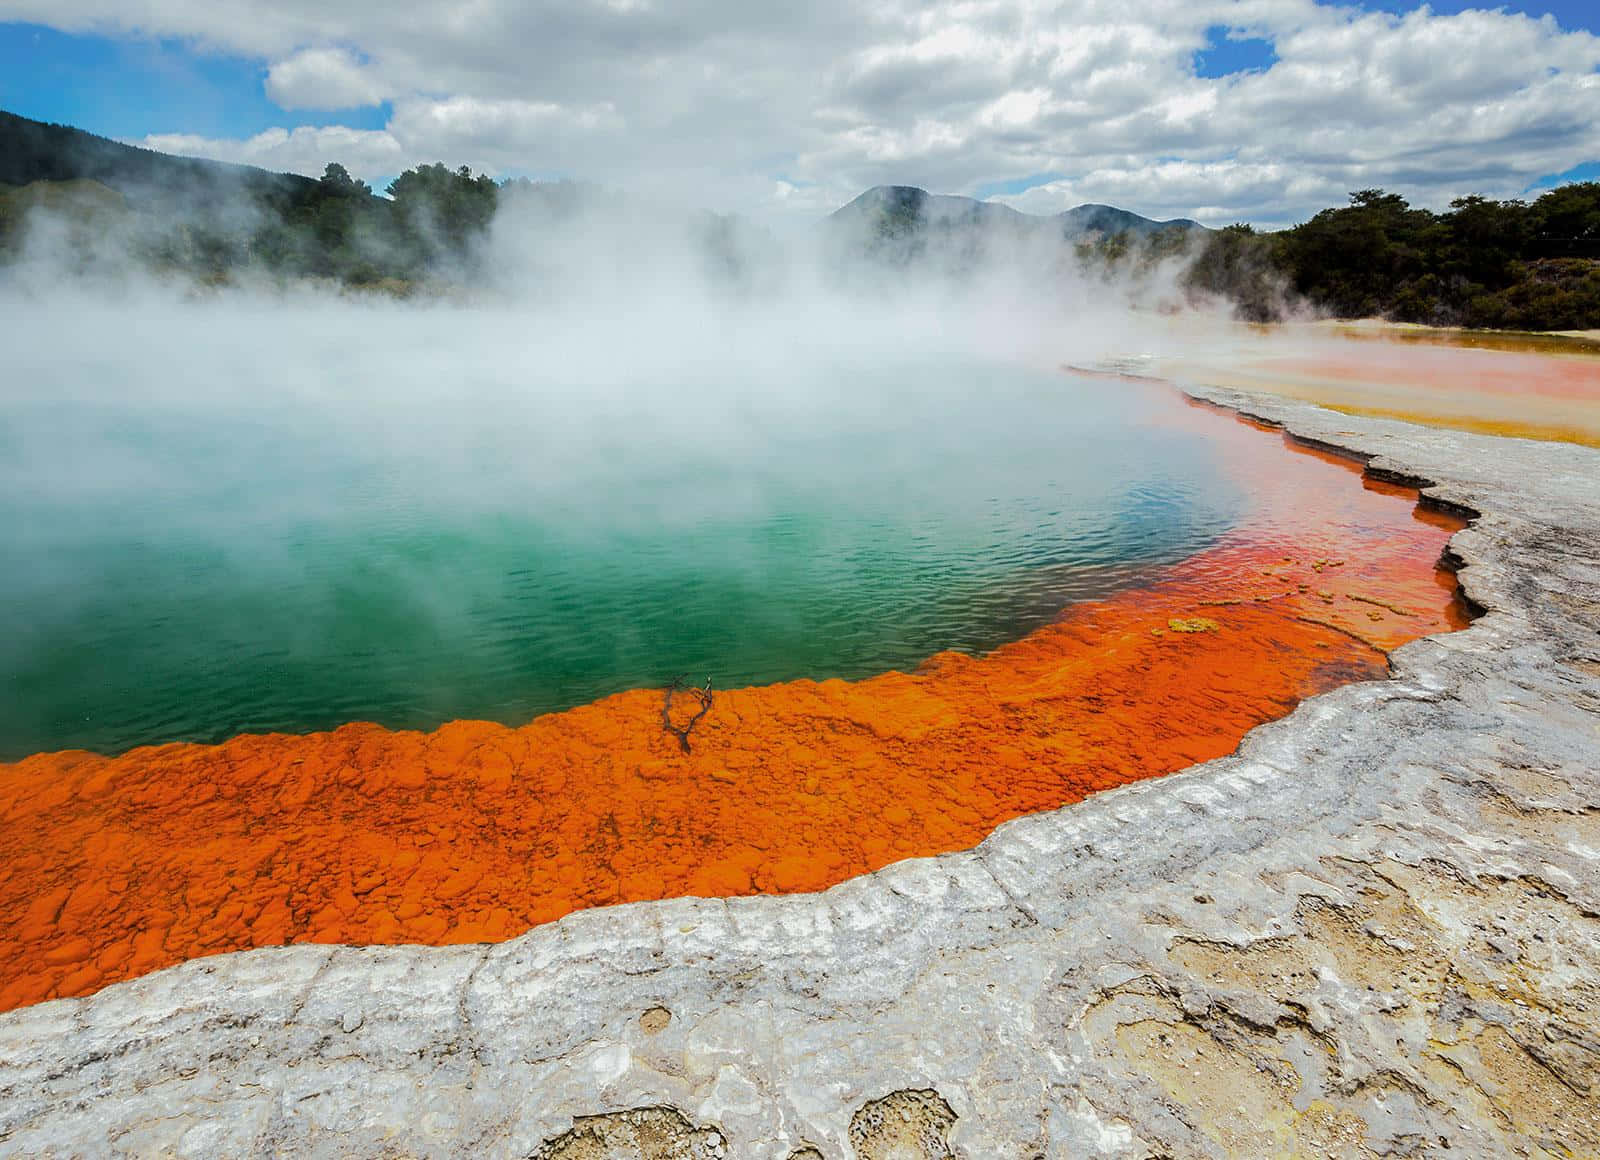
1378	920
477	832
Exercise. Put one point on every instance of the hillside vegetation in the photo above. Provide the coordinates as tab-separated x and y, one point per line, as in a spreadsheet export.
115	203
1483	263
1505	264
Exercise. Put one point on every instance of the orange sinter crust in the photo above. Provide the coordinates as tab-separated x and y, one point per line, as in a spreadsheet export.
118	866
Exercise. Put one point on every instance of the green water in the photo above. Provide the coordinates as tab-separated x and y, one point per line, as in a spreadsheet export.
184	564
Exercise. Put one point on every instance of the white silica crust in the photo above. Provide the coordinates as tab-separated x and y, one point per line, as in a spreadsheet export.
1374	930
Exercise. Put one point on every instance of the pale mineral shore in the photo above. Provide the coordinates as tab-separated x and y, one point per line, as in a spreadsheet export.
1373	930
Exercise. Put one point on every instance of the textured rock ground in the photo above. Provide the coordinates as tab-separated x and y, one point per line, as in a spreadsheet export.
1375	930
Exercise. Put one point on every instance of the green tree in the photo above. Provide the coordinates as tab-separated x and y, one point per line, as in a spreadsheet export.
1486	238
337	182
441	212
1238	264
1568	213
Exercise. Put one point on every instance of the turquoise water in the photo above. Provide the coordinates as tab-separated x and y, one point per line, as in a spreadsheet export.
190	563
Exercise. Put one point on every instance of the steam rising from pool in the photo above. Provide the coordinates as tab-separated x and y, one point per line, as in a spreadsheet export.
254	513
640	445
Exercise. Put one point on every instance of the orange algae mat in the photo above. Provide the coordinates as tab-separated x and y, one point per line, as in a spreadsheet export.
117	866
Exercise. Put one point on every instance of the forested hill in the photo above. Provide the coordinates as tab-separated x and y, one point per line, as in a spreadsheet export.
214	221
1483	263
33	151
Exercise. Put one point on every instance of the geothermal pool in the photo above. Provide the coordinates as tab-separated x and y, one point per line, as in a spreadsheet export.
243	570
1038	585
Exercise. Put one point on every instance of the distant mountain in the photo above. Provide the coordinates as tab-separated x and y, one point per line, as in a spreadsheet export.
1108	219
891	231
901	209
906	205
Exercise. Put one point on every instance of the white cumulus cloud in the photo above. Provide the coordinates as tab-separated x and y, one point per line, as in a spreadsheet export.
323	78
774	107
305	149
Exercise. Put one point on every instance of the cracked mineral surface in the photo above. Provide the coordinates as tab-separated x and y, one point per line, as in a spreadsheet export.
1374	930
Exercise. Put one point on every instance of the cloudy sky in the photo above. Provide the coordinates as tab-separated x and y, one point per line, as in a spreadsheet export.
1223	110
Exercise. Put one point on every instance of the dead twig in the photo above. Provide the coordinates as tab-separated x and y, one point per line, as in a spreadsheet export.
703	695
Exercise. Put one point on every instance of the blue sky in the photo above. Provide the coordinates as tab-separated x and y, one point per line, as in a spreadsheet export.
1570	14
1224	54
799	108
127	87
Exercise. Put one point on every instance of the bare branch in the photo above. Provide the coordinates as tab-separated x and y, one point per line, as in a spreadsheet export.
703	695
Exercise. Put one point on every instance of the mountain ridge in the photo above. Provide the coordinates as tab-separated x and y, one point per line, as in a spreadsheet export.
951	210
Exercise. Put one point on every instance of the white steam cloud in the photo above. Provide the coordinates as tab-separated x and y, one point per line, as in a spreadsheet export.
612	369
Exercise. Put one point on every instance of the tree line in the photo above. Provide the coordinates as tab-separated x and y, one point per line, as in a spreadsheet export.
338	229
1484	263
